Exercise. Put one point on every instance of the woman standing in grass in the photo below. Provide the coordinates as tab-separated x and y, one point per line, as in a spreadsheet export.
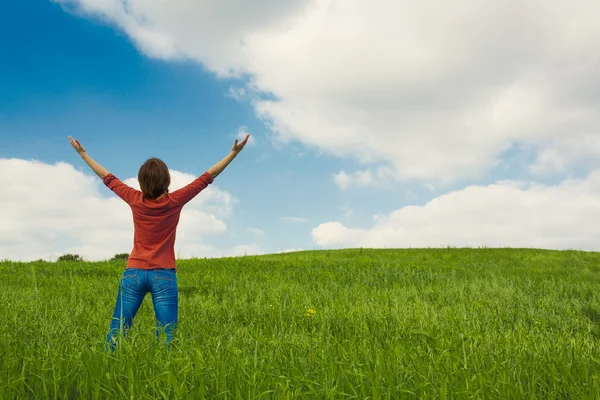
151	264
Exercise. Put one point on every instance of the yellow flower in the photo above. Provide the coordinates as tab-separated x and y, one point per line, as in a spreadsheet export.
310	312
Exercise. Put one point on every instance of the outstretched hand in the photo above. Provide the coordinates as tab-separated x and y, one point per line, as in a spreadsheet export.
97	168
77	146
237	147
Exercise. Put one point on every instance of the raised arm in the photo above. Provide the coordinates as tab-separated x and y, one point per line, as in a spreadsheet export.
128	194
188	192
216	169
97	168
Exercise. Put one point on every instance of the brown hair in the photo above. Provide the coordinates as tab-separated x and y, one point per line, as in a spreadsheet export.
154	178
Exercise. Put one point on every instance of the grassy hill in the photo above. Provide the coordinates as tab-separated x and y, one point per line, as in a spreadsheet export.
419	323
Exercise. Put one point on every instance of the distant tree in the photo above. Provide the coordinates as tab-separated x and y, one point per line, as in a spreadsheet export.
70	257
120	256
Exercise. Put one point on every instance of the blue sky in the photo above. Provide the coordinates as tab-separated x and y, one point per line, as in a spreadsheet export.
66	72
63	75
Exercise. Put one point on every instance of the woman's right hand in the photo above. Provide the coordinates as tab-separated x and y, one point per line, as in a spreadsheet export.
77	146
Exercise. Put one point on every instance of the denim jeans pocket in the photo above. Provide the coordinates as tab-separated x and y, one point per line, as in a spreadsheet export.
164	279
129	278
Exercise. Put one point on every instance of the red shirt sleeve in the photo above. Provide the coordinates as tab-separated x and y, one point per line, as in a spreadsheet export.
187	193
125	192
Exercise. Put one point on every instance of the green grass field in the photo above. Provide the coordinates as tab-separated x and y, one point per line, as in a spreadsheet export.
385	324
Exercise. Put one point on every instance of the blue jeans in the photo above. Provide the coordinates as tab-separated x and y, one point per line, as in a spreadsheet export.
135	283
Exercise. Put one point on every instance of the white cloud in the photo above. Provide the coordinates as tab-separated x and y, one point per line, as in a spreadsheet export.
557	155
294	219
347	211
49	210
261	158
211	32
548	161
361	179
356	179
237	93
434	91
505	214
256	232
410	195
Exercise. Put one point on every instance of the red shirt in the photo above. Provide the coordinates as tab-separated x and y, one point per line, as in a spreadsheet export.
155	221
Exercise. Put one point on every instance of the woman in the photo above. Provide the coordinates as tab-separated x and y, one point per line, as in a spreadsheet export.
151	264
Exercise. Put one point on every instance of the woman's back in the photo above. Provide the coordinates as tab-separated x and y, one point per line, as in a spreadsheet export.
155	221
